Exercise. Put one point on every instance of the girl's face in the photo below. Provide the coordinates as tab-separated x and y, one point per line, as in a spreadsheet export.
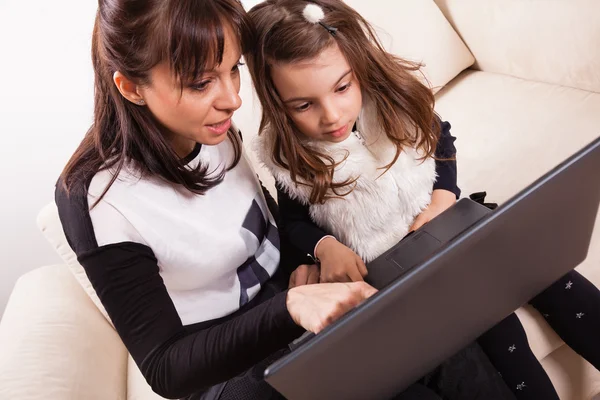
202	112
321	95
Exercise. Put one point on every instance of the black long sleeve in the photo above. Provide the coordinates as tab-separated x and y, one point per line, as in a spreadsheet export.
177	360
446	167
295	223
291	255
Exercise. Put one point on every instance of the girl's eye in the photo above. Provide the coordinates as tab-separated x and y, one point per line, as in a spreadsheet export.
343	88
201	86
302	107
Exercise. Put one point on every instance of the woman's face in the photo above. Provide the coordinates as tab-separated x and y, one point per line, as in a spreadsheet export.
202	112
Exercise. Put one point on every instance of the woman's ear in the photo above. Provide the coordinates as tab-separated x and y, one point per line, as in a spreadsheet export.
128	89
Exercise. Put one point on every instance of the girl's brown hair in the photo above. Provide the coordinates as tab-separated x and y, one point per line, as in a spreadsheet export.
284	36
133	36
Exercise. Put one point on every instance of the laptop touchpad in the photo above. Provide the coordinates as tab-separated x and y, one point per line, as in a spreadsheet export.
413	250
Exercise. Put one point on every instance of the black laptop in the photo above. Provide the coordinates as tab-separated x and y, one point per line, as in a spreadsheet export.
446	284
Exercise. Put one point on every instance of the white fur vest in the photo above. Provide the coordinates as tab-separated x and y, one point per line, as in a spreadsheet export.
381	208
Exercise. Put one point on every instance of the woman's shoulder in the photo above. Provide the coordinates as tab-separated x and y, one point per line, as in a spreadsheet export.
90	220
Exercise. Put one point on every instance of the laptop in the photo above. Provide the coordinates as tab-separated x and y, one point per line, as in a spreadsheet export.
419	245
475	272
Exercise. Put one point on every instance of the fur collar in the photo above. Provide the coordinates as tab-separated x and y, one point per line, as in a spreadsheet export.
381	208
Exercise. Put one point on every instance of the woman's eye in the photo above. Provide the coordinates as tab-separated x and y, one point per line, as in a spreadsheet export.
237	66
201	86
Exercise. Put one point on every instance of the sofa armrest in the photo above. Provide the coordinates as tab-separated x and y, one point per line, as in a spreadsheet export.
546	41
55	344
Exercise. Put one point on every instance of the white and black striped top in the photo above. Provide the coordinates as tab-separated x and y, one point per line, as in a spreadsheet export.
179	273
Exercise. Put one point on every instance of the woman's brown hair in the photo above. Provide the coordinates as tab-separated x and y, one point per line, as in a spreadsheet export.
284	36
133	36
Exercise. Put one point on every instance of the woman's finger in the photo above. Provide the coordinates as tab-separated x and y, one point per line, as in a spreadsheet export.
364	290
313	276
302	275
292	282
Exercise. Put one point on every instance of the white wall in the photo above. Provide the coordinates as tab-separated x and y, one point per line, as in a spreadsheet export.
46	103
46	88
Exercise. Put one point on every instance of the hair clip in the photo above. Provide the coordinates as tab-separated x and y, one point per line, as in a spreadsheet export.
315	15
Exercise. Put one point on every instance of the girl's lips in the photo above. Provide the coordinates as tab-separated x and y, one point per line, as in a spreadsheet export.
339	132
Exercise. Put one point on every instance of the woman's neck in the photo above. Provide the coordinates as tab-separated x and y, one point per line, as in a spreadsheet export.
182	146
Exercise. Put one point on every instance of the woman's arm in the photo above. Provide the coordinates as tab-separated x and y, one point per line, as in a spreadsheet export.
176	360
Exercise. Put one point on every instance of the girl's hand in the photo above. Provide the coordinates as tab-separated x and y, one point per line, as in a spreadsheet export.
339	263
313	307
440	201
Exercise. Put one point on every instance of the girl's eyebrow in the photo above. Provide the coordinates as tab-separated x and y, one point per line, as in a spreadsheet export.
304	98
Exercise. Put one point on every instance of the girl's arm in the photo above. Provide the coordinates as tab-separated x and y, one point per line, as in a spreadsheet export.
445	189
291	256
295	223
338	263
446	169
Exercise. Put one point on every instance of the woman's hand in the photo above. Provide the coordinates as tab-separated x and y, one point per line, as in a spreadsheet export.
440	201
339	263
304	275
316	306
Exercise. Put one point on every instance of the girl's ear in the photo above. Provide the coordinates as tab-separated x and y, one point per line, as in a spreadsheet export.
128	89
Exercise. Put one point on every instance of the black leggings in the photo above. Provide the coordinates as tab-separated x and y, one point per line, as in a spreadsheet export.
572	308
468	375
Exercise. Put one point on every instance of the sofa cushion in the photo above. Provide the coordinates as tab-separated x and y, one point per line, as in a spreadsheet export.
55	345
554	41
137	387
49	223
510	132
418	31
572	376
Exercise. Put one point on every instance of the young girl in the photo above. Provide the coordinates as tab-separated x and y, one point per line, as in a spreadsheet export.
360	159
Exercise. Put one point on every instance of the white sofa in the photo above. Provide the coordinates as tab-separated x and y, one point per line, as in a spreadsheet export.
518	80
